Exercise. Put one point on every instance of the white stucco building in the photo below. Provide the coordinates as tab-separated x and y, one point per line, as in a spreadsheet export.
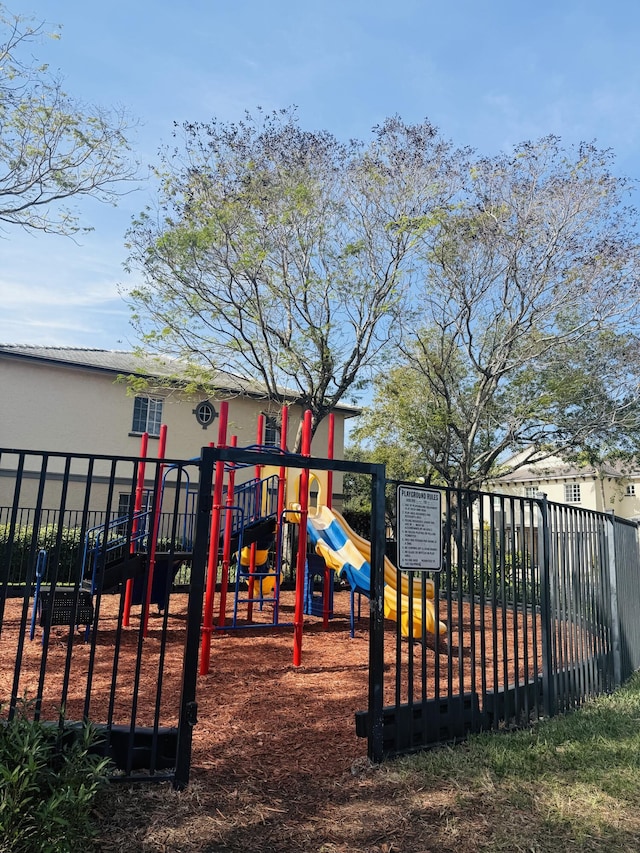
603	488
78	401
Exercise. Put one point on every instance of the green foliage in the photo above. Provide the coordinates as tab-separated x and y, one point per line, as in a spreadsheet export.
358	520
51	148
47	787
523	336
357	487
67	553
497	576
413	428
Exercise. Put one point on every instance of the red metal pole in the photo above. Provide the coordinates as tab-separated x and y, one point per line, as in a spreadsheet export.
162	444
226	545
327	570
330	456
282	483
214	544
137	506
298	619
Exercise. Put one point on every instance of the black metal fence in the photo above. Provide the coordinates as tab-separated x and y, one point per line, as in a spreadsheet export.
88	631
535	608
625	594
534	611
72	543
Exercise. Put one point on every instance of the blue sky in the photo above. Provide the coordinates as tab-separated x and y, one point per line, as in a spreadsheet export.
488	74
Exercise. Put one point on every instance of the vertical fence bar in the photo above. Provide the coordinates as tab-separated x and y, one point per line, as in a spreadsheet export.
398	624
597	617
506	509
563	638
461	530
164	593
524	603
376	622
188	705
582	596
566	620
578	584
483	568
627	549
471	564
54	567
515	606
10	521
33	555
155	526
613	601
96	615
493	538
535	601
546	617
137	507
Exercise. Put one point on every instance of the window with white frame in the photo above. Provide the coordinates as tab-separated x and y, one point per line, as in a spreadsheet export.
530	491
630	491
124	502
271	431
124	508
572	493
125	498
147	416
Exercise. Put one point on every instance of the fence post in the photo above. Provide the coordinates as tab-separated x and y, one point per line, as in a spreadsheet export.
546	616
613	599
376	643
188	705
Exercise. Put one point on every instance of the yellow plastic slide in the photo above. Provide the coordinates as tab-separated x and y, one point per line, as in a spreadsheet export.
322	520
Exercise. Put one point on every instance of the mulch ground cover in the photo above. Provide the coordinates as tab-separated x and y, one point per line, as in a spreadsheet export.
276	761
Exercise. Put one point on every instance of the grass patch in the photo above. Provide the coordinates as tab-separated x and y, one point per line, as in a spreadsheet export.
567	783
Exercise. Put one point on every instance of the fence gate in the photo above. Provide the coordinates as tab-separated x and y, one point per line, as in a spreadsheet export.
88	629
370	723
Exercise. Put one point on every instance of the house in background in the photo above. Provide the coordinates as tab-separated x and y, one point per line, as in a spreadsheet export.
77	401
603	488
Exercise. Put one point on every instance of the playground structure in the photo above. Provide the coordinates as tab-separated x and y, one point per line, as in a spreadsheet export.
251	522
281	500
341	550
122	552
349	554
246	533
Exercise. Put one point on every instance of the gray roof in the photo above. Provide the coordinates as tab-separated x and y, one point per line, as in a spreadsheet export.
115	361
540	472
120	362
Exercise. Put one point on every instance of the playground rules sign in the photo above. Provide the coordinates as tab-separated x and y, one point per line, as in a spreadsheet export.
419	529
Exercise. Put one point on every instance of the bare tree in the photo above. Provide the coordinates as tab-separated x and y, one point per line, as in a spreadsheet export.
52	148
284	255
528	330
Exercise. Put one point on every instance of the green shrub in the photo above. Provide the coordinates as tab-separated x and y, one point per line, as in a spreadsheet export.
67	554
47	787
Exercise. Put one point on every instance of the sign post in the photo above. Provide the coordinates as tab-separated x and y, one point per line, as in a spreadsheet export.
419	529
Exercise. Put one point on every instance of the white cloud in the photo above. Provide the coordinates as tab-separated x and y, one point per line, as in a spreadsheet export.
28	295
